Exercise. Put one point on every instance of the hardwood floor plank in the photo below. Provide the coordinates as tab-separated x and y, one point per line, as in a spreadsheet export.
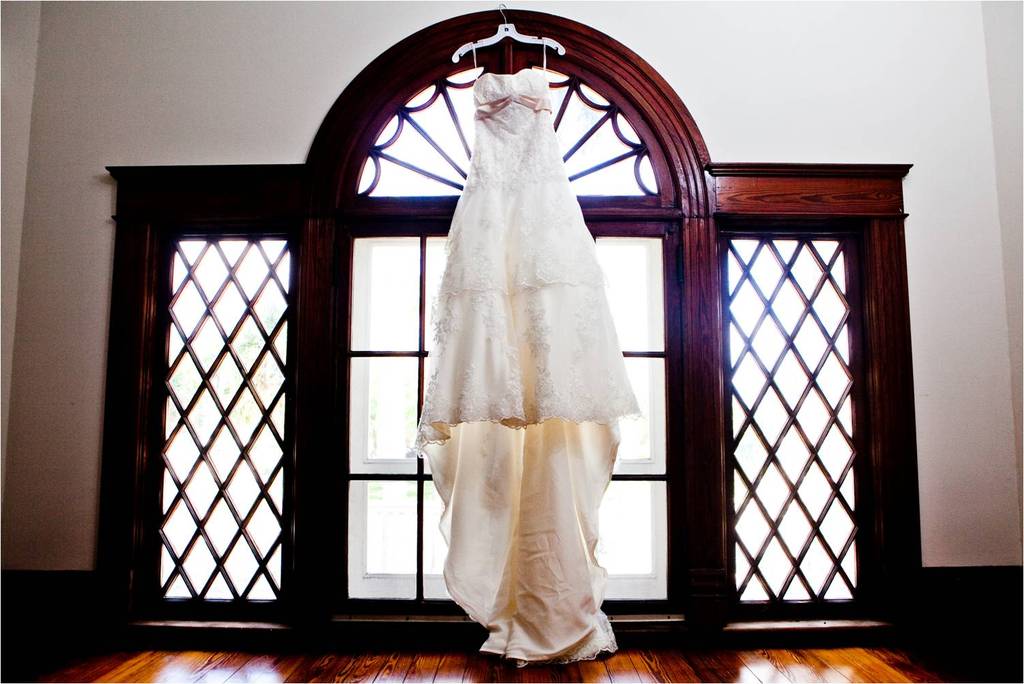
395	666
186	666
219	667
719	665
799	668
267	668
669	665
765	668
324	667
452	667
144	667
363	668
829	673
620	668
907	664
859	665
502	669
593	670
542	674
88	669
423	668
478	668
643	670
570	672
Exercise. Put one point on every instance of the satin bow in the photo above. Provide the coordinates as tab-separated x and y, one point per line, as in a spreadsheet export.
489	109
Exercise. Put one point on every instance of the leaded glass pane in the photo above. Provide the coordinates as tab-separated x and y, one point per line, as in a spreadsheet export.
221	531
790	382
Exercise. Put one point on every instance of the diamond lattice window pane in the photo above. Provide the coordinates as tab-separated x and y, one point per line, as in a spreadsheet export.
748	379
210	273
772	491
181	453
199	564
787	314
794	529
750	454
188	308
221	370
425	148
204	417
769	343
221	527
774	566
226	380
184	380
766	271
229	308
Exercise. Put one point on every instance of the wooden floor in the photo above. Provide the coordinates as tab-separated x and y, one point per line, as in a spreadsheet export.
627	665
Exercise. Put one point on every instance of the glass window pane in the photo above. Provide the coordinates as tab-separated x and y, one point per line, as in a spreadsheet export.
405	161
386	294
633	546
211	424
787	317
642	449
434	547
382	414
633	270
382	539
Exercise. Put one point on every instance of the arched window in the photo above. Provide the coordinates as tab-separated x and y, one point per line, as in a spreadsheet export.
418	158
274	336
424	150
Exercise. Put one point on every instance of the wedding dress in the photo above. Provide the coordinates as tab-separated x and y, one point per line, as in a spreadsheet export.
519	420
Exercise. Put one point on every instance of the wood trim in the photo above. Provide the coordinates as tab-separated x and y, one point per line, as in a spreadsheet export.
892	445
808	189
797	170
221	193
131	363
316	421
704	458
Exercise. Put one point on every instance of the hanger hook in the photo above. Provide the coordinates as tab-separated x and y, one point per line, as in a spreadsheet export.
501	8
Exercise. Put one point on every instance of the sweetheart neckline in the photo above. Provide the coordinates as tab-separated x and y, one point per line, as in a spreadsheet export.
491	73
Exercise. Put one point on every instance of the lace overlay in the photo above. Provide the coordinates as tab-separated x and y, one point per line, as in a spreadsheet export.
520	414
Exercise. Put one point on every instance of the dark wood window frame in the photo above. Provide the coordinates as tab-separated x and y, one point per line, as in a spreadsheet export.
316	206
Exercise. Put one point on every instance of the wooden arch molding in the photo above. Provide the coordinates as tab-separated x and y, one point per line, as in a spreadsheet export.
678	153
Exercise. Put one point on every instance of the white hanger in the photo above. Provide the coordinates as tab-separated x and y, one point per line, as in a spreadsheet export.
507	30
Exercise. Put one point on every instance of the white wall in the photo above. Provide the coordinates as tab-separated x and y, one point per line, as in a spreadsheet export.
1004	34
153	83
19	46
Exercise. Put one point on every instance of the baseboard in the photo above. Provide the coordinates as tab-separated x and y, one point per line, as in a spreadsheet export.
972	606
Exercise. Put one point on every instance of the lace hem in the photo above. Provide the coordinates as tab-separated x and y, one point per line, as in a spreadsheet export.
442	429
601	640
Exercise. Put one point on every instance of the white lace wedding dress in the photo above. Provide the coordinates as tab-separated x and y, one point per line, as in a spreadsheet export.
520	416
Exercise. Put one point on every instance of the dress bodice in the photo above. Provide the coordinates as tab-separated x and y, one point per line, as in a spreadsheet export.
527	84
515	142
